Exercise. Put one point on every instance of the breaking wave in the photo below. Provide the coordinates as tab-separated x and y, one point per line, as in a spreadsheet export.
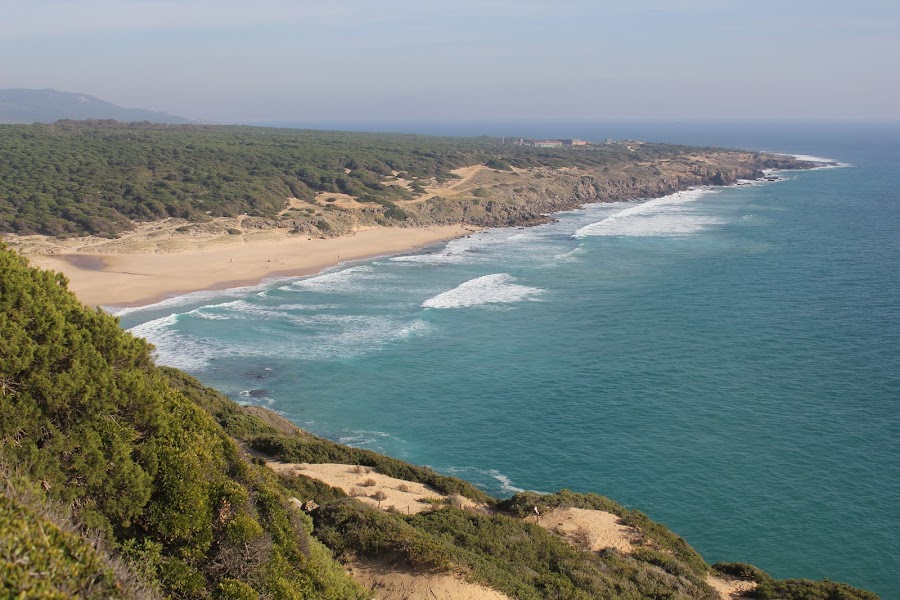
670	215
488	289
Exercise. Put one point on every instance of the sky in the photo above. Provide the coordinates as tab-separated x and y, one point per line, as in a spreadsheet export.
356	60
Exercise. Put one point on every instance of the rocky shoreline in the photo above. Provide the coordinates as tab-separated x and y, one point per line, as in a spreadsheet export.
524	198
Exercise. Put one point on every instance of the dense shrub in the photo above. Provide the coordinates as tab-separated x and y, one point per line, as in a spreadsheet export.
85	413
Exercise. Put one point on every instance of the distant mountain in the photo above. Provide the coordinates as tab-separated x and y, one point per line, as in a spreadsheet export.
47	106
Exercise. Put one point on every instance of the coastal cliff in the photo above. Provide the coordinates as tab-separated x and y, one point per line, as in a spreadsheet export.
482	196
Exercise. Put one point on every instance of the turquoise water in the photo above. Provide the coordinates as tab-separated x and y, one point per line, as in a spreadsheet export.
727	360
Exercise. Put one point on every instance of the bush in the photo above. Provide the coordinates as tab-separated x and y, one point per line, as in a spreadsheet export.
742	571
243	529
108	434
498	164
802	589
232	589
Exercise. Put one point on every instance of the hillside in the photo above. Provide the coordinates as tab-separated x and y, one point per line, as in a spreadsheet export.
104	178
47	106
122	479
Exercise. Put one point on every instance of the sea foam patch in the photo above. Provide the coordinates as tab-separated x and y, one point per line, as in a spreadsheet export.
824	163
455	252
364	438
340	282
491	478
174	349
670	215
497	288
201	297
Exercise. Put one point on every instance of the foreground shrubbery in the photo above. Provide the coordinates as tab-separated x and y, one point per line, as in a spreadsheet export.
86	415
43	556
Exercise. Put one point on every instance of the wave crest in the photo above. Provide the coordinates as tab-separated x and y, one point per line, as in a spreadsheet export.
488	289
667	216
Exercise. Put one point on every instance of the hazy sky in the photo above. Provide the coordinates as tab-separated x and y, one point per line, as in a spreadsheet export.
306	60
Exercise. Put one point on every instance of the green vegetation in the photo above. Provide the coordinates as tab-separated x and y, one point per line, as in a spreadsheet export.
654	534
506	553
100	177
85	414
274	436
792	589
95	438
40	557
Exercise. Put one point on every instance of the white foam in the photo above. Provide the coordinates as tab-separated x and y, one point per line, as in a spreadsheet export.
174	349
506	484
365	438
815	159
207	316
307	307
254	399
191	298
455	252
824	163
669	215
324	336
350	336
340	282
327	337
488	289
571	255
241	309
152	328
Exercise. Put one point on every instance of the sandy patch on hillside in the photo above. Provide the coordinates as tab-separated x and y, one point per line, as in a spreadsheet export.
465	175
367	485
593	529
390	582
730	589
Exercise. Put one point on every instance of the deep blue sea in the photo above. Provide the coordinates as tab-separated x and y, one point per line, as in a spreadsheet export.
725	360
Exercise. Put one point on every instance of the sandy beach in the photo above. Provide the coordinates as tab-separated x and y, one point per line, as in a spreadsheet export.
153	263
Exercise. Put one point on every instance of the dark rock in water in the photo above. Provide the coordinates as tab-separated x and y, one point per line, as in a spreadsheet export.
258	393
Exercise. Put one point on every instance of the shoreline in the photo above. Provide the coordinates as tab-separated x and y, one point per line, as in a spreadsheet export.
154	263
123	280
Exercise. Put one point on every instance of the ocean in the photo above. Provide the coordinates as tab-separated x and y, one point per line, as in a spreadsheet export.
726	360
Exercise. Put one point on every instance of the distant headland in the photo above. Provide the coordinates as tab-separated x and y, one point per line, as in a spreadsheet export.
168	209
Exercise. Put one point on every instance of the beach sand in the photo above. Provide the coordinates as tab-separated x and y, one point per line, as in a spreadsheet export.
154	263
